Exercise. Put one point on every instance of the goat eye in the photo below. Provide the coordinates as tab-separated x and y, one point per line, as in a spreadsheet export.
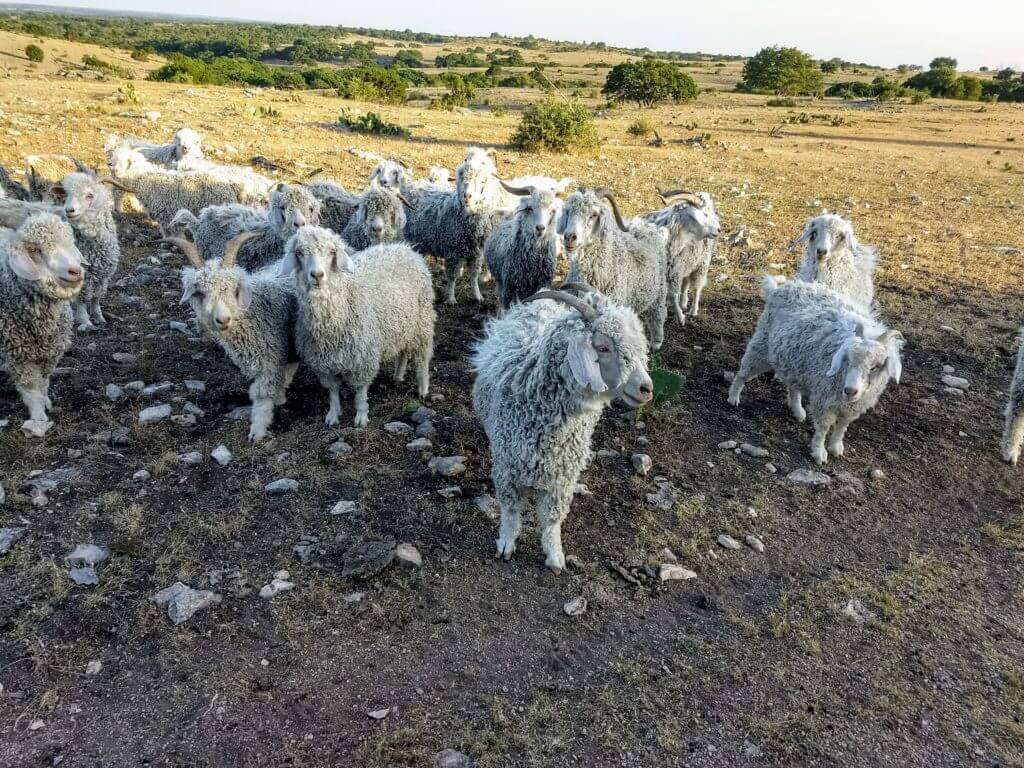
813	234
602	350
298	253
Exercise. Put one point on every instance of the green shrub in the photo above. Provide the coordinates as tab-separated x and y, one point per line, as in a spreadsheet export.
372	123
781	103
641	128
269	112
783	71
142	54
99	65
649	82
127	94
459	92
34	52
917	97
498	110
556	126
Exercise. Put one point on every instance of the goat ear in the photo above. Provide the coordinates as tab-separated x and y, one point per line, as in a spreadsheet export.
25	266
244	294
893	341
187	293
58	193
839	358
343	262
803	235
584	364
560	222
289	263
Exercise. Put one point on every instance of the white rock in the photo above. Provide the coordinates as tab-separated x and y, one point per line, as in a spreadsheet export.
378	714
192	458
94	667
124	358
157	389
808	477
724	540
419	444
36	725
282	486
408	555
673	572
727	445
36	427
177	325
770	468
183	602
754	450
241	413
668	554
282	574
154	414
135	386
949	369
957	382
339	448
856	612
8	537
192	409
450	492
575	607
342	508
84	576
194	385
275	587
642	463
221	455
86	554
398	428
422	414
877	474
141	476
754	543
113	392
954	391
447	466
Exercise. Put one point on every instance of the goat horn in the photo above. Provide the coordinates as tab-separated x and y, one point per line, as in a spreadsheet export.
231	249
519	191
187	248
668	194
83	168
588	312
579	286
452	179
314	172
114	183
405	202
402	163
607	195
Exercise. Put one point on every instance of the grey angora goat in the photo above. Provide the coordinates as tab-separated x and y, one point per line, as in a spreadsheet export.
454	225
357	313
1013	434
627	264
184	149
693	226
826	348
379	218
545	370
84	201
337	205
834	258
40	274
291	207
522	252
252	318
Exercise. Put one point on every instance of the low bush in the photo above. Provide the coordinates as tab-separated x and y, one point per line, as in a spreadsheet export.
556	126
372	123
641	128
34	52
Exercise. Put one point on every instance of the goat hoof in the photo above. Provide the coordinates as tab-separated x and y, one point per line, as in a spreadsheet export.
838	449
820	456
86	328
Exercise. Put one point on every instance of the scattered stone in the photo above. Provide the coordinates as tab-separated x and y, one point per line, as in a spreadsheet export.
673	572
447	466
36	725
193	410
727	445
581	489
668	554
574	562
664	498
177	325
379	714
367	559
183	602
808	477
157	389
86	554
754	543
282	486
84	576
419	444
239	413
141	476
398	428
135	386
308	550
851	483
754	450
354	597
488	505
276	587
94	667
956	382
339	448
195	386
642	464
422	414
948	369
408	555
947	328
727	541
426	429
856	612
930	400
575	607
113	392
124	358
36	427
3	494
770	468
451	758
955	391
751	751
192	458
221	455
9	537
154	413
605	453
342	508
751	512
877	474
450	492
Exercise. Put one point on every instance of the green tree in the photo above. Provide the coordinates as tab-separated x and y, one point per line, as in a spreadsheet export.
408	58
649	82
1005	75
34	52
832	65
782	71
943	62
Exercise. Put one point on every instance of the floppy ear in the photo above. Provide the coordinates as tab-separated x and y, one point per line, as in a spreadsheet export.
278	215
893	341
583	363
343	263
58	193
24	266
839	358
560	222
244	294
289	263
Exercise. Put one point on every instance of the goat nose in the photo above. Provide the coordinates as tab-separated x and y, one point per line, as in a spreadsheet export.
822	252
570	239
317	275
647	391
75	273
851	391
540	229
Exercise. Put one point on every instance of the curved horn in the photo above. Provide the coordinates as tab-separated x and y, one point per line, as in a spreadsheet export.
691	197
114	183
83	168
314	172
402	163
405	202
578	285
231	249
187	248
588	312
519	191
607	195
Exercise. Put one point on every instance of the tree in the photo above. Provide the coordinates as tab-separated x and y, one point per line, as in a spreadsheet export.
784	71
832	65
34	52
1005	75
943	62
408	58
649	82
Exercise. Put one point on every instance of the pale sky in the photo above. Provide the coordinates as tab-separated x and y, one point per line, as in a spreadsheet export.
886	33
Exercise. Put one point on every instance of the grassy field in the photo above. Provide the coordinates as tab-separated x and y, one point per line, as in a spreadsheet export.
749	664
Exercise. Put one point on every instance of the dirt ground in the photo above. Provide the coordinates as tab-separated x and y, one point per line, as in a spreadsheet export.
749	664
